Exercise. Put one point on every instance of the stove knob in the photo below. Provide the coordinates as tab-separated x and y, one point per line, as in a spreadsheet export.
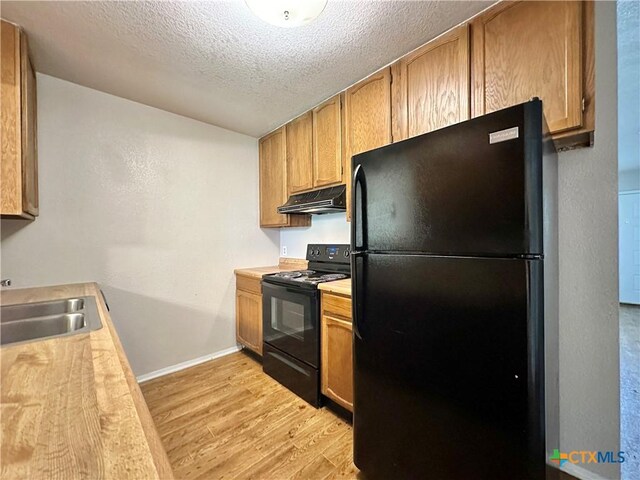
311	252
346	253
317	251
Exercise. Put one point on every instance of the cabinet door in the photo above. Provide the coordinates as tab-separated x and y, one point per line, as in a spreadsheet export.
249	320
327	143
431	85
273	178
530	49
18	160
29	132
337	361
300	154
10	162
367	119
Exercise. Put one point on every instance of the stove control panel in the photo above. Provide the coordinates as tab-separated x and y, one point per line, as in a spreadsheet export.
336	253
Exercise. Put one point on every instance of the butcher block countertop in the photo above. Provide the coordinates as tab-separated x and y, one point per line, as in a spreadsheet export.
341	287
285	264
71	406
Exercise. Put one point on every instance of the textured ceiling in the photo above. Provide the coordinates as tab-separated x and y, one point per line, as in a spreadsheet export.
215	61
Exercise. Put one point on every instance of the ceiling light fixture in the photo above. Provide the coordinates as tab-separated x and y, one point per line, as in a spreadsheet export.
287	13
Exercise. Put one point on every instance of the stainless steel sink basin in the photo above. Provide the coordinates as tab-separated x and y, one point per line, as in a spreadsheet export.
41	309
37	321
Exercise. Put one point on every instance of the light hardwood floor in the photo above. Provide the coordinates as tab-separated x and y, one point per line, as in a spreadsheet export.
227	419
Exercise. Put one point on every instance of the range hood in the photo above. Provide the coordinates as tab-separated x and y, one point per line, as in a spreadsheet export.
327	200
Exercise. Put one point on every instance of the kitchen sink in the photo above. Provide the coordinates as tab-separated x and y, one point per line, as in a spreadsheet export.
41	309
37	321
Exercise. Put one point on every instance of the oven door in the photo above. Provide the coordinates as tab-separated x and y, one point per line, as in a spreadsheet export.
291	321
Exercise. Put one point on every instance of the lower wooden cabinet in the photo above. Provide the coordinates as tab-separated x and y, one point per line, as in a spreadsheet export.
249	313
337	350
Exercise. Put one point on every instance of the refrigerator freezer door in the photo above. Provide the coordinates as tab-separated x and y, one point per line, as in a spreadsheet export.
448	359
453	191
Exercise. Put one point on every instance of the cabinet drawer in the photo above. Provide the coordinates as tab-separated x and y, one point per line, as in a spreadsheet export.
249	284
337	305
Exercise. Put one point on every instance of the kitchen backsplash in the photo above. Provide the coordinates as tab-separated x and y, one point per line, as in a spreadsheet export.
330	228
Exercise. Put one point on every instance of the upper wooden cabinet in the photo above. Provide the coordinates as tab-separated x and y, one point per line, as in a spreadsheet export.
511	52
525	49
273	182
300	153
367	113
367	119
314	148
327	143
431	85
19	158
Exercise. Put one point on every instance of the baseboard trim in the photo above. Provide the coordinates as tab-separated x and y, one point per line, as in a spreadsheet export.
189	363
580	472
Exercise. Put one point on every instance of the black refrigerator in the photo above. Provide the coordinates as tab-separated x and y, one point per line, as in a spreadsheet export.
454	279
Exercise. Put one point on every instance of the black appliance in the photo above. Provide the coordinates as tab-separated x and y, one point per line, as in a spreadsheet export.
291	319
454	284
325	200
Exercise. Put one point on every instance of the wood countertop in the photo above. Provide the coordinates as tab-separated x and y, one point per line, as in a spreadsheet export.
341	287
286	264
71	406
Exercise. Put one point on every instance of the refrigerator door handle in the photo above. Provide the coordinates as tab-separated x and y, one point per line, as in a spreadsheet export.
358	294
358	216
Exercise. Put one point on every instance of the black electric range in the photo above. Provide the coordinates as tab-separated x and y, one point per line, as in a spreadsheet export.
291	319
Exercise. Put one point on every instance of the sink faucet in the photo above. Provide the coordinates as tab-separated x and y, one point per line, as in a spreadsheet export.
5	282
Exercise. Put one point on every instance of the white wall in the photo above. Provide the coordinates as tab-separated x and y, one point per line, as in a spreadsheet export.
330	228
628	95
629	180
588	251
157	208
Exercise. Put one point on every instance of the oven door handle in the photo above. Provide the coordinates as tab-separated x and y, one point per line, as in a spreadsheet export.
281	288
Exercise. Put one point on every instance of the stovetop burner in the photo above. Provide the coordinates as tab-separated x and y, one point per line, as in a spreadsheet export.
294	274
327	263
311	277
